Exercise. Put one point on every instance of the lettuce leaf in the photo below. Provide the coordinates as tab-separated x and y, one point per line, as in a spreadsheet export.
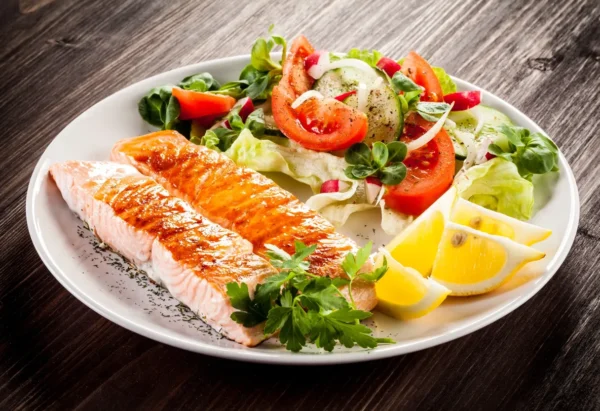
371	57
448	86
312	168
307	166
497	185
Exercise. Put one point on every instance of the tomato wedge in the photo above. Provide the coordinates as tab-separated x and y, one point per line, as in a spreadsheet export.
430	171
195	104
418	70
317	124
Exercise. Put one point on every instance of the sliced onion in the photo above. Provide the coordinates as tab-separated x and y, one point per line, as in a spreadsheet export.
306	96
324	65
431	133
469	141
372	189
317	70
482	151
362	93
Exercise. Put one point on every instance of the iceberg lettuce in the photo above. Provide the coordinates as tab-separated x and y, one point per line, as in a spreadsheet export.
312	168
284	156
497	185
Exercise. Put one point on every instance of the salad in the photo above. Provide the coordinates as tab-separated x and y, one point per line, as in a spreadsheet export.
362	129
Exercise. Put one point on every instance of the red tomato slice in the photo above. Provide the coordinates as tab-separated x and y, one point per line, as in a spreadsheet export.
320	125
293	69
418	70
194	104
430	171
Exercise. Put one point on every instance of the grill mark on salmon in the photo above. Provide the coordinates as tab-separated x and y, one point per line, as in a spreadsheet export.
241	200
178	248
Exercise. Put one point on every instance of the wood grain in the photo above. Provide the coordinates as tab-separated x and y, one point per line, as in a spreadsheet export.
58	58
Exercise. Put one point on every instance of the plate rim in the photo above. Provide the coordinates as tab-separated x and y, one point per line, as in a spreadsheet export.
257	356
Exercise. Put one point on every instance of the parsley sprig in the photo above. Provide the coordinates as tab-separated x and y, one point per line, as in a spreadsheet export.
305	308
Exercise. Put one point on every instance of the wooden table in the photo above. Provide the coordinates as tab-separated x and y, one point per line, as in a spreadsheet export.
58	57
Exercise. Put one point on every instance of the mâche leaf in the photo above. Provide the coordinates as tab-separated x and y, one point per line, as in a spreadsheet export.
531	153
221	138
383	161
431	111
358	154
263	73
393	174
200	82
401	83
396	152
159	108
380	154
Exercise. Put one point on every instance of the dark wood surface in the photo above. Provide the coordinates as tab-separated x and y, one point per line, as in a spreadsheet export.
58	57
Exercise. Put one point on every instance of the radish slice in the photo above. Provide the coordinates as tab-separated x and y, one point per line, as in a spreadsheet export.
306	96
313	59
334	186
372	188
388	65
463	100
374	180
247	108
429	135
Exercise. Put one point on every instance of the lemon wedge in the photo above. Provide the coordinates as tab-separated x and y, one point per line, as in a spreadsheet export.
472	262
403	293
417	245
492	222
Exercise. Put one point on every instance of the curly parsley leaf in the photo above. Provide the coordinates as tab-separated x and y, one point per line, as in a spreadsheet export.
305	308
319	294
375	275
352	263
281	259
250	313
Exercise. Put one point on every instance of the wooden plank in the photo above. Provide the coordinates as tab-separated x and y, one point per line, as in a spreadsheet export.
58	58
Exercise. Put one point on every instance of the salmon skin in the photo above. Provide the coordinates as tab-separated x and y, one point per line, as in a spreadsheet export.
178	248
241	200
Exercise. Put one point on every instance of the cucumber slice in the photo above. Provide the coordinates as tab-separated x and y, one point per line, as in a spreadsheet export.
384	111
479	121
460	148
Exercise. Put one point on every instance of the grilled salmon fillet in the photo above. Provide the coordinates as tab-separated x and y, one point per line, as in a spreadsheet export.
177	247
241	200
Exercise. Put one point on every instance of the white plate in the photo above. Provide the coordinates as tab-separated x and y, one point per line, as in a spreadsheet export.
131	301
